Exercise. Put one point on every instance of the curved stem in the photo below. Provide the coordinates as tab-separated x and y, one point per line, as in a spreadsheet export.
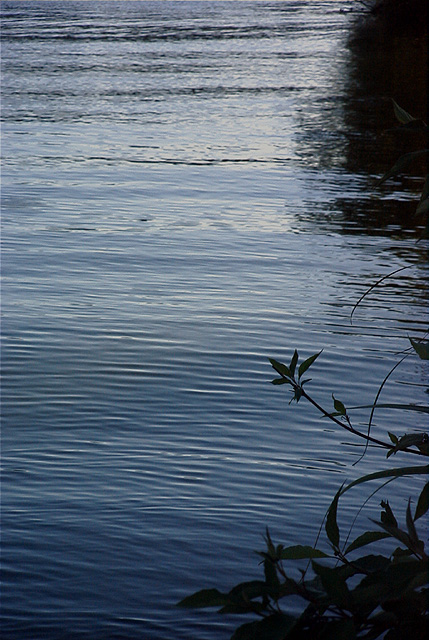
348	427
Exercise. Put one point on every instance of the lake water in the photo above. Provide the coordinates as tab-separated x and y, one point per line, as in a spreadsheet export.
182	199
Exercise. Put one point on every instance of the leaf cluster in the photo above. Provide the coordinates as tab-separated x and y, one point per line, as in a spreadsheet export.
409	123
343	597
341	415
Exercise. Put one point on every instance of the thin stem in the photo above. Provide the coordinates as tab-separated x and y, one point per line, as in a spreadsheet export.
368	438
375	403
389	275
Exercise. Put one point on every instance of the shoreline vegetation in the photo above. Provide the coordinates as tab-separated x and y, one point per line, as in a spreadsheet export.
345	596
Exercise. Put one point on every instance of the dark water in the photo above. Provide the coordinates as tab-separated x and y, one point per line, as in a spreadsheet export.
185	193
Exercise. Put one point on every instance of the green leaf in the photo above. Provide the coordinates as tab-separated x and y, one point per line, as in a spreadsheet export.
339	407
370	564
279	381
423	502
270	545
388	473
298	394
387	516
411	527
403	116
393	438
337	630
290	588
421	347
395	532
331	526
410	440
403	162
247	590
366	538
271	577
307	363
242	606
204	598
392	405
274	627
293	362
299	552
247	631
281	368
424	199
393	582
334	585
423	206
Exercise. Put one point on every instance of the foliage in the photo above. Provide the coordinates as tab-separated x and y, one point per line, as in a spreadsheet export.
409	123
343	595
399	16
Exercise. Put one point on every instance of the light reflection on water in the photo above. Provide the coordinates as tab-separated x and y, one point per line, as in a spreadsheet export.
170	221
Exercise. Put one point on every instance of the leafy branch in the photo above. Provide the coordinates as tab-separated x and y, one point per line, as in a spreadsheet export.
341	416
345	596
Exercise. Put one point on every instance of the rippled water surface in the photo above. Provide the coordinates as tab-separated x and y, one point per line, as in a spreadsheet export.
178	206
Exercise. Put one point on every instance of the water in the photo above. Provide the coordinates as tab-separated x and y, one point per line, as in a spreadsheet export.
180	202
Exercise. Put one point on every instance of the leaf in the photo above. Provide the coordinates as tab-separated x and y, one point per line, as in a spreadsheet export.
273	627
393	583
423	206
391	405
270	546
339	407
403	116
422	503
298	394
246	631
248	590
395	532
338	630
366	538
421	348
299	552
331	526
334	585
388	473
282	369
242	606
204	598
403	162
279	381
371	564
410	440
293	362
271	577
411	527
241	598
425	190
387	516
307	363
